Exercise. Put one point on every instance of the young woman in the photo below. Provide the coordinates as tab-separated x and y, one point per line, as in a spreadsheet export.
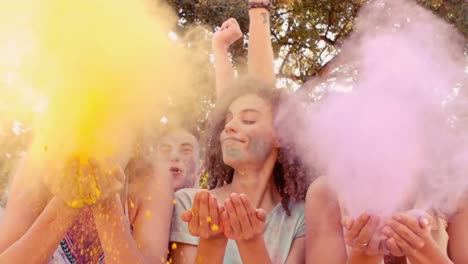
39	227
247	169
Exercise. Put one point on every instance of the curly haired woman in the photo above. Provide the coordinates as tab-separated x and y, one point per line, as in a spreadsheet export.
247	169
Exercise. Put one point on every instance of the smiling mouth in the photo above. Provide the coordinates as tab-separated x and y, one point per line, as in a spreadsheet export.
234	139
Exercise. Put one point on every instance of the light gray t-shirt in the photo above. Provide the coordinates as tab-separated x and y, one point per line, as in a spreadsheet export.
280	230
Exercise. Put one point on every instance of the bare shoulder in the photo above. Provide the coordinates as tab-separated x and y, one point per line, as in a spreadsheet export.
320	191
458	234
149	192
148	182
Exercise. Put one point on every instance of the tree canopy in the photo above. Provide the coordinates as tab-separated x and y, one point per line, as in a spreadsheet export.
306	36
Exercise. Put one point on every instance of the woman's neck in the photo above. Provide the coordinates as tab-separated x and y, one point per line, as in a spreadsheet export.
258	184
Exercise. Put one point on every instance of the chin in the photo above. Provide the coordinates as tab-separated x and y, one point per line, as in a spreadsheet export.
182	184
178	186
232	162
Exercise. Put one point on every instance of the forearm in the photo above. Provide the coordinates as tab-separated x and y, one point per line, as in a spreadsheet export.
211	251
224	71
260	53
441	260
357	258
430	253
114	233
254	250
38	244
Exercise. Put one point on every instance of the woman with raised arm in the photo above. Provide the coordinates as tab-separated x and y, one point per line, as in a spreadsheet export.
335	238
253	211
260	49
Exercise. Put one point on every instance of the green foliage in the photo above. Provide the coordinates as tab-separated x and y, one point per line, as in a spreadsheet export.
14	138
306	34
303	30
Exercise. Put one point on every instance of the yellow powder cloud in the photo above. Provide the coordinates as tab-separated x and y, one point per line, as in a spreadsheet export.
105	67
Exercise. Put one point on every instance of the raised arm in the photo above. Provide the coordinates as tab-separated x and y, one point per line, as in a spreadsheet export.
222	39
260	58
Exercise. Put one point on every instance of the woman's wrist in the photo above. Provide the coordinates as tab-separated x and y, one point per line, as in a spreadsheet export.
430	252
215	241
252	244
356	256
264	5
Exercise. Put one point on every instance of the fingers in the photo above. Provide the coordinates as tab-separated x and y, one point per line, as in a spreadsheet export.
214	216
193	224
186	216
233	221
228	231
425	223
393	247
354	231
256	217
205	218
93	163
347	222
220	218
228	23
376	238
404	232
243	217
119	174
405	248
365	235
411	222
204	215
261	214
233	21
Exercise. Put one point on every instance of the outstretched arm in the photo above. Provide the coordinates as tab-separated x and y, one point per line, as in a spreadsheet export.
260	58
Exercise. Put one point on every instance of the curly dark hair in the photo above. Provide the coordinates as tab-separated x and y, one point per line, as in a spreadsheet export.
289	175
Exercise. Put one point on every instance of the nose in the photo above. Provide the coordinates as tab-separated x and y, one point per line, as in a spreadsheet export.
174	156
231	126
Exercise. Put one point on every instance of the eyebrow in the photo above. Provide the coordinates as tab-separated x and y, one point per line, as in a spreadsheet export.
250	110
245	110
186	144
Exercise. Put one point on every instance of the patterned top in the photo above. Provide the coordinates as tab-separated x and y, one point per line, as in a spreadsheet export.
81	244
